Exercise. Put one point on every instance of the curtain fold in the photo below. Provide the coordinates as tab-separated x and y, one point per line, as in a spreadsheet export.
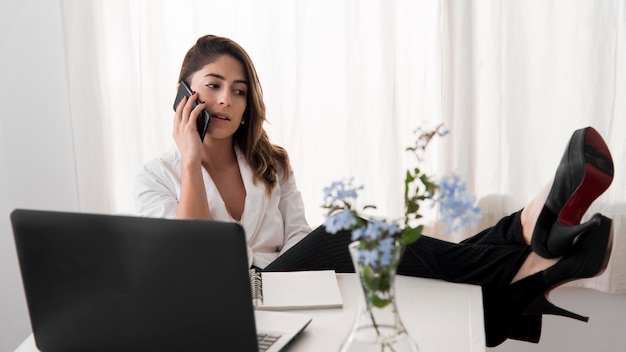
346	83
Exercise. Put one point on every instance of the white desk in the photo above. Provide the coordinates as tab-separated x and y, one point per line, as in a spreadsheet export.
440	316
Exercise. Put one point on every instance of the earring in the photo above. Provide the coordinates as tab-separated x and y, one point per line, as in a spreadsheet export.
243	122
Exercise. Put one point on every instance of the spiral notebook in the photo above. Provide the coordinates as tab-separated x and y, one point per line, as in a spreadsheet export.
295	290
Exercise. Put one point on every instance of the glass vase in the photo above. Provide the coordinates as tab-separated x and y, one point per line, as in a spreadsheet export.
377	326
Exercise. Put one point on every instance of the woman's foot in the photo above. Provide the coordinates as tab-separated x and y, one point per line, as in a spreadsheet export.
534	263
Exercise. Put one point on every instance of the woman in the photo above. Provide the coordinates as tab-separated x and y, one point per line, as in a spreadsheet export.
236	174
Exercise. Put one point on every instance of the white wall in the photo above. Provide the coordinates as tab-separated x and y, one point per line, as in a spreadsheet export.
36	162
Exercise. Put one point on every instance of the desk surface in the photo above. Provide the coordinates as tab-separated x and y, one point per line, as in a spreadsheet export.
440	316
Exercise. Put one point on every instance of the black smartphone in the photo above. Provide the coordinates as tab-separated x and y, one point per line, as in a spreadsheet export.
203	119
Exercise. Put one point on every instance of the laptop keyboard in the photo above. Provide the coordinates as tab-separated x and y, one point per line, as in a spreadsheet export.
266	340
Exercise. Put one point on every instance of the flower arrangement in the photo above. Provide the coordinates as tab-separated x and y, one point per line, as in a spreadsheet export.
379	242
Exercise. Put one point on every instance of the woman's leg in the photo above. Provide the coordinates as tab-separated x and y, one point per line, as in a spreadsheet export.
473	263
531	212
534	263
319	250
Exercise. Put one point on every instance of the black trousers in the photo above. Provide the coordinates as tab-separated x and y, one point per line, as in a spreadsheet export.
490	259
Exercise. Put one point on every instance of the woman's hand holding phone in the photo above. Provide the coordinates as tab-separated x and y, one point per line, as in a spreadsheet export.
202	121
192	202
185	131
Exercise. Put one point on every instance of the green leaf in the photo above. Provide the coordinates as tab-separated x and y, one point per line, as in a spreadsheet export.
379	302
411	234
368	278
409	177
412	207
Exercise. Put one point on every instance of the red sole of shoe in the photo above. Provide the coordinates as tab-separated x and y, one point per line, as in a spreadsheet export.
593	185
595	181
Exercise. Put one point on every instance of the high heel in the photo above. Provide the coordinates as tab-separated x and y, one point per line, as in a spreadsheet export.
541	305
589	257
584	173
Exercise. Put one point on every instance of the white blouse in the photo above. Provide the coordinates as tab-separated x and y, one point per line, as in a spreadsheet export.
272	224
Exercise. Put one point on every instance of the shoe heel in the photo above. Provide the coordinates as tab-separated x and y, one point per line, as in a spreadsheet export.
541	305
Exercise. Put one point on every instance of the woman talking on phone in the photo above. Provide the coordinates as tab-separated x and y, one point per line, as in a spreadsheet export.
237	174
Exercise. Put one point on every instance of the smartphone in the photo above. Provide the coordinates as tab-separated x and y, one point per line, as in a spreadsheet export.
203	120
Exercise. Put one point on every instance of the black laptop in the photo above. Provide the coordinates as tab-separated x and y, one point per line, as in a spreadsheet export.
98	282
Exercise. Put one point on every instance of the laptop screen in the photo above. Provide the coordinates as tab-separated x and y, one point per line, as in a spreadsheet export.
103	282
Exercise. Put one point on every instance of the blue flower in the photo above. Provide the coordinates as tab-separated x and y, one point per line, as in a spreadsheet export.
392	228
456	205
368	257
339	193
343	220
374	230
386	247
385	258
358	233
387	244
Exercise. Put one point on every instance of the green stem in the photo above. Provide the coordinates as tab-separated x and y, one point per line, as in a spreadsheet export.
370	306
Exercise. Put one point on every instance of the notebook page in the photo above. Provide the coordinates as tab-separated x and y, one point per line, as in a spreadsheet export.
300	290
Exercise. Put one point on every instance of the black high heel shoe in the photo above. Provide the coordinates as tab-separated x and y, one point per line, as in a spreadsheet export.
525	301
585	172
589	258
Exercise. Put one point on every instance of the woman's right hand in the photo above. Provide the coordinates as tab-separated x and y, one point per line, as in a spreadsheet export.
185	131
192	202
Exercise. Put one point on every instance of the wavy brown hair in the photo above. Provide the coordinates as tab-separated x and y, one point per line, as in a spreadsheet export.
265	158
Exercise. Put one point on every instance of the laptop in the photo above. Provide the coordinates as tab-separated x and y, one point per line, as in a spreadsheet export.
97	282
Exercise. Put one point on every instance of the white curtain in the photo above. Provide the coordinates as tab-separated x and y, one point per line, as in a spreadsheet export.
346	83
